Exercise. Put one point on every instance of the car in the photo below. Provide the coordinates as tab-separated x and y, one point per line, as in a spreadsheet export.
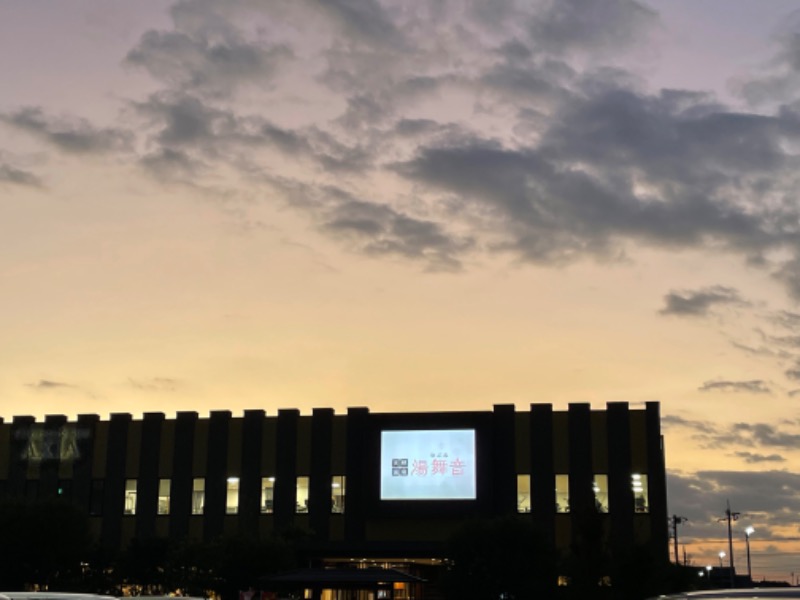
740	593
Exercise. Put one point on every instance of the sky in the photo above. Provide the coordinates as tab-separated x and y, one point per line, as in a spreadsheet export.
437	205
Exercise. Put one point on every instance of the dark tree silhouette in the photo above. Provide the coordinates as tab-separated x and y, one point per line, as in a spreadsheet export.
43	542
500	558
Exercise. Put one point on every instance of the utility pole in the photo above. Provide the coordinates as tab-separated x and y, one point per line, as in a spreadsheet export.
676	520
730	517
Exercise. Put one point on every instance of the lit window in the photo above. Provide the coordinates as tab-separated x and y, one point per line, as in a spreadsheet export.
232	496
641	503
337	494
524	493
130	496
600	489
163	496
267	494
562	493
301	495
198	495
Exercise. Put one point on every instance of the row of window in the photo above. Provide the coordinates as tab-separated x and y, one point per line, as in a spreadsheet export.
599	489
231	495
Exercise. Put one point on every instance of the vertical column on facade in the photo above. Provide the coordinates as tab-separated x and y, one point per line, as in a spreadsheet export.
657	479
250	480
147	484
543	479
114	489
504	470
216	474
181	484
319	502
620	492
356	457
581	496
286	468
82	464
18	468
51	455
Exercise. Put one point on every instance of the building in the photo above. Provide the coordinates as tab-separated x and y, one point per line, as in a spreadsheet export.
367	485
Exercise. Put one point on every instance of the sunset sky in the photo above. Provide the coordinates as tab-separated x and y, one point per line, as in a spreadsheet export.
428	205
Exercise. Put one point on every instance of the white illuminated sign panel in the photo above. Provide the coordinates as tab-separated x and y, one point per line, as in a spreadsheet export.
428	465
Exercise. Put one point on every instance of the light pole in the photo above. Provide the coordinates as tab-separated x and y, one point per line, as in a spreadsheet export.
747	533
721	556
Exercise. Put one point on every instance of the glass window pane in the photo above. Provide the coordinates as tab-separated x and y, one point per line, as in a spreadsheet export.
524	493
232	496
267	494
198	495
130	496
600	488
337	494
301	495
163	496
562	493
641	502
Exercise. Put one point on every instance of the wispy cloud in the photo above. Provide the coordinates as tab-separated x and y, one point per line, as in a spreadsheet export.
698	303
755	386
9	174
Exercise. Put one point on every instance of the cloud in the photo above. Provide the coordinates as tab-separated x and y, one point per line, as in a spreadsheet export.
154	384
752	458
47	384
71	135
779	80
501	123
702	497
206	54
591	25
9	174
674	421
698	303
755	386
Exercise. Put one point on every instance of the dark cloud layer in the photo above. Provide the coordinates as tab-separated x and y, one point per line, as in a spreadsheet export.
587	163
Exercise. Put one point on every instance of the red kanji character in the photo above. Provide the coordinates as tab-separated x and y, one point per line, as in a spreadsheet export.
458	466
420	468
439	466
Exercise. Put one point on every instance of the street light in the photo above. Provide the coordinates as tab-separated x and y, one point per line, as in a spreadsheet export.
721	556
747	533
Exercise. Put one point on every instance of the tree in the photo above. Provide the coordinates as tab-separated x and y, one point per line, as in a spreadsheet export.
43	543
505	557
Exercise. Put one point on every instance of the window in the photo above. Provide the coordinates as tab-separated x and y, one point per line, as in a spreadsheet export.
163	496
562	493
130	496
232	496
641	503
267	494
198	495
524	493
301	495
96	497
337	494
600	488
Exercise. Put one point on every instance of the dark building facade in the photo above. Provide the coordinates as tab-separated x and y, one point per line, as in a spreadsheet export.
363	484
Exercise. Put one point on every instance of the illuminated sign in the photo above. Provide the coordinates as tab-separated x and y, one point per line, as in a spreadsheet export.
48	444
428	465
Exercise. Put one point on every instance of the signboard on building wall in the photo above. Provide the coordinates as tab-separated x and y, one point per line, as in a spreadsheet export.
435	464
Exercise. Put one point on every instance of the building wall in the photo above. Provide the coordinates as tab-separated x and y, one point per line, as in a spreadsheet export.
93	463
